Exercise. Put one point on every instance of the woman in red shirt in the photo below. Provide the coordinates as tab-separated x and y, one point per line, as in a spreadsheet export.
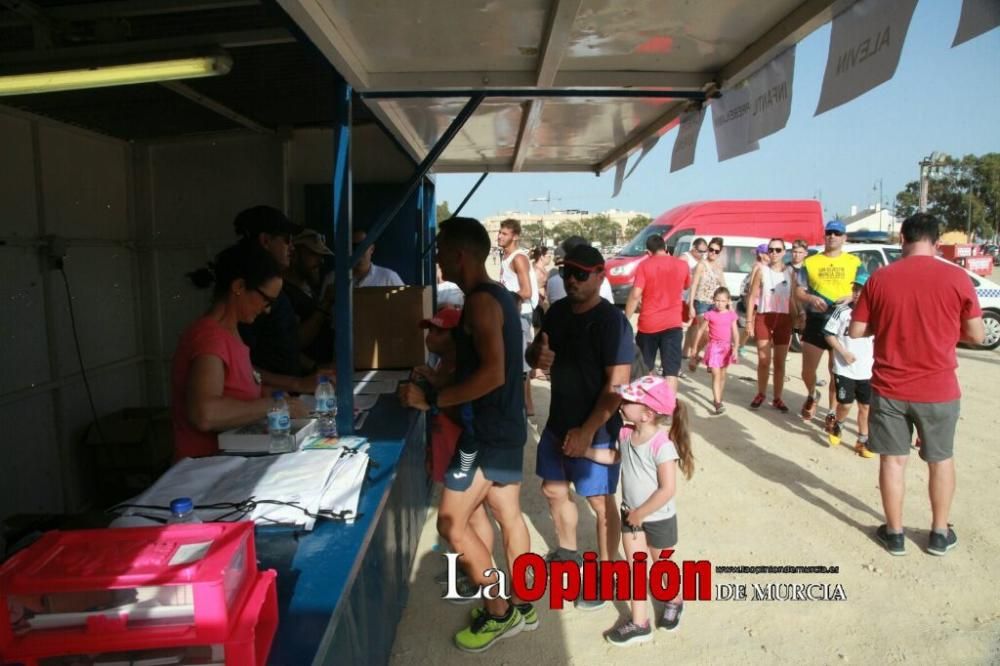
213	385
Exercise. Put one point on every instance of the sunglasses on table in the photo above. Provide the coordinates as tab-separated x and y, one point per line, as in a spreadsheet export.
578	274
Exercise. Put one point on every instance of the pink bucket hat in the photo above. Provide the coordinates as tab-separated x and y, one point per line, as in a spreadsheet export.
653	392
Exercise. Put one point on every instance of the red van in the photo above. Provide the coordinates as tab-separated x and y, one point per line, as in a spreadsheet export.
791	220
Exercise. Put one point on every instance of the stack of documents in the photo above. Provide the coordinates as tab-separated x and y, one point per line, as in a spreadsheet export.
294	488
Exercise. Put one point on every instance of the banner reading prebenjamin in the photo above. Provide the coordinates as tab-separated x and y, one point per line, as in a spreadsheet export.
865	43
731	120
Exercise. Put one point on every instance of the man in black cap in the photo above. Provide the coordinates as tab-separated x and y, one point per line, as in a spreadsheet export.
586	344
273	338
555	288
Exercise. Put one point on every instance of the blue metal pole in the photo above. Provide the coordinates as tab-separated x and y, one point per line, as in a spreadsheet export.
343	283
430	224
425	166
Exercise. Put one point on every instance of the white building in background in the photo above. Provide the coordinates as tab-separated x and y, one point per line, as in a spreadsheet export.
875	218
552	219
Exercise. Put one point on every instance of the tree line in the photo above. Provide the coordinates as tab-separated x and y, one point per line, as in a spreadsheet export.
964	194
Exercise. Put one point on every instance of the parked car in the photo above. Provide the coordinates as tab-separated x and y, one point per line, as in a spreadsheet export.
764	218
874	257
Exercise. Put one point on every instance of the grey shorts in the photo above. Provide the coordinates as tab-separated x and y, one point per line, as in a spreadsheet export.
659	533
528	337
891	424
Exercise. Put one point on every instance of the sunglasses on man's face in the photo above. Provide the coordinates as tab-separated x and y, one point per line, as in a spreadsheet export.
578	274
835	233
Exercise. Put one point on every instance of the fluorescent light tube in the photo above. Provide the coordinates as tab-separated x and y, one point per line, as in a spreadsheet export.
115	75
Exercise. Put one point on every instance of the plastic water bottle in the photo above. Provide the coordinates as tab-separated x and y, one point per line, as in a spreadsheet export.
279	424
326	407
182	511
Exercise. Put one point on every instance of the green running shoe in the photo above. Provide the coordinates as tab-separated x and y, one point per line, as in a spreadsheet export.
527	611
486	630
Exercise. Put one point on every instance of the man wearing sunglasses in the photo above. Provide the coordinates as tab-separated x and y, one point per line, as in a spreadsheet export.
829	276
586	344
273	338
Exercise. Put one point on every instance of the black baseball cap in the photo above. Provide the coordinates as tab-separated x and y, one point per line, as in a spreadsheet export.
584	256
264	219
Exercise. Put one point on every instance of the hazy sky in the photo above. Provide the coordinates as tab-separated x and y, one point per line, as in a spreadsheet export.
941	98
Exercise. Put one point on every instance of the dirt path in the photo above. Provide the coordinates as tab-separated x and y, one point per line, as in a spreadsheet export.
769	491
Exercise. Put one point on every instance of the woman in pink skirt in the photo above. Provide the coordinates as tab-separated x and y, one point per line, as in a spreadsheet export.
723	340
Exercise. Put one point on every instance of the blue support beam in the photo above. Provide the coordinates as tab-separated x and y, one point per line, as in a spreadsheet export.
430	231
424	167
344	281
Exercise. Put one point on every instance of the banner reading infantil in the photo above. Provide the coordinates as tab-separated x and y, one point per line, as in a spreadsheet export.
687	140
731	120
771	95
978	16
865	44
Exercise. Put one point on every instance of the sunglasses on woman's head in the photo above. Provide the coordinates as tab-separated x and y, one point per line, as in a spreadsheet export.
578	274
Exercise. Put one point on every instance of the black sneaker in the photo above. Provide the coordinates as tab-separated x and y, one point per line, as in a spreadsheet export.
629	633
671	616
894	543
939	545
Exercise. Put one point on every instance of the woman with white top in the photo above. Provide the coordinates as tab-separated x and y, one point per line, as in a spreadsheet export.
769	317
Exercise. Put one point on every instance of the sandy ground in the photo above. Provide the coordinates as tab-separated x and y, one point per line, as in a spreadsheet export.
768	490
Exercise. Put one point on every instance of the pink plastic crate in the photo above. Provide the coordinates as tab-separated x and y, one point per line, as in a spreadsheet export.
91	591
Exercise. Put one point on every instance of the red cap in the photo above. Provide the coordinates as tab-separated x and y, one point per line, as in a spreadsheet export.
446	318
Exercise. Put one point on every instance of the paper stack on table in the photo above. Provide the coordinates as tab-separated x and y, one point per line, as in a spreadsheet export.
290	489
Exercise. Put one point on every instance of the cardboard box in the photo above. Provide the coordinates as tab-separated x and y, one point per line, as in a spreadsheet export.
387	334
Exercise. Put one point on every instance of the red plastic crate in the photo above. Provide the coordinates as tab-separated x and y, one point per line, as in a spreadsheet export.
92	591
248	645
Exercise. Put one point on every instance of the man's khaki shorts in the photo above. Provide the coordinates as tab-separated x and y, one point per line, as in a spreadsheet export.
891	424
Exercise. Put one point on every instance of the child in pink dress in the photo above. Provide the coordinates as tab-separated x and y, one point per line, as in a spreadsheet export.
723	340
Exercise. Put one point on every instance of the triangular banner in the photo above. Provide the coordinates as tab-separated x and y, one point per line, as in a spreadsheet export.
731	120
978	16
771	95
687	139
865	44
619	176
647	146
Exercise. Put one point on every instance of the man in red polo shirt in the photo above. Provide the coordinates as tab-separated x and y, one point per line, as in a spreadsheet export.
917	308
659	282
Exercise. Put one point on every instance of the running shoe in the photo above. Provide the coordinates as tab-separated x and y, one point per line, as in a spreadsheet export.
527	611
832	429
939	544
671	616
757	401
780	405
894	543
486	630
629	633
863	451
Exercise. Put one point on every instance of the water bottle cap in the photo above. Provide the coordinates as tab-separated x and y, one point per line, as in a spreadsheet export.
181	505
278	395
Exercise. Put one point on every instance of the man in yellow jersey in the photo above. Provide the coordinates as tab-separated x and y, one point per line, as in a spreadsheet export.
823	283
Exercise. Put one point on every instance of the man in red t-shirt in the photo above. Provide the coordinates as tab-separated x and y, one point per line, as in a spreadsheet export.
918	309
659	283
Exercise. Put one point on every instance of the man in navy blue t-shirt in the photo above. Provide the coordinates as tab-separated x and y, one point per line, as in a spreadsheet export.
586	344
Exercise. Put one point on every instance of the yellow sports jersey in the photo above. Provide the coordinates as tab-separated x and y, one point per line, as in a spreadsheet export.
831	278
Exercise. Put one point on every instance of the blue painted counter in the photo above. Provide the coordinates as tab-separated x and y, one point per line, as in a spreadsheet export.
342	587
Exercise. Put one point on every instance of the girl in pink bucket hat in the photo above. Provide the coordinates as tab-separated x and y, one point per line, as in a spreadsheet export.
650	457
